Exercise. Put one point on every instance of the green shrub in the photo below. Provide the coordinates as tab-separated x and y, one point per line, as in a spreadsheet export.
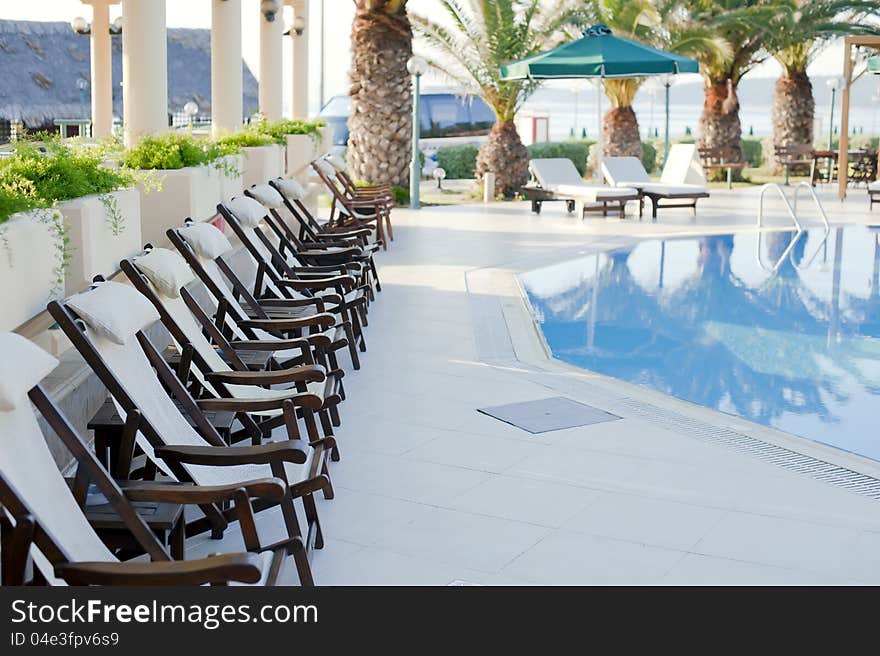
649	156
752	152
401	196
14	198
44	173
280	129
247	137
459	162
177	150
576	151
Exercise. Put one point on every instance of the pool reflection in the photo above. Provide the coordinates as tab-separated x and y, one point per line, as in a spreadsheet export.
781	328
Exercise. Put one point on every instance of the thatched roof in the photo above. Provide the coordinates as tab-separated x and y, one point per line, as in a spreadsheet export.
41	63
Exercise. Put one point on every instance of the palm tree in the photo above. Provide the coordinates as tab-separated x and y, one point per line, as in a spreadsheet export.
744	25
660	24
380	123
475	39
796	38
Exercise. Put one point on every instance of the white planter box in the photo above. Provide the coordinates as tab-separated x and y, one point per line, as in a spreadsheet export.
98	239
262	163
302	150
30	267
190	192
232	186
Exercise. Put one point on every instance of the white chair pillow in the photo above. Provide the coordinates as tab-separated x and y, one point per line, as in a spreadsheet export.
267	195
291	188
23	364
206	239
247	210
167	270
114	310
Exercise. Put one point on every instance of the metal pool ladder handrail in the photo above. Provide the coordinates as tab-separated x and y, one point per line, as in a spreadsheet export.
809	187
791	211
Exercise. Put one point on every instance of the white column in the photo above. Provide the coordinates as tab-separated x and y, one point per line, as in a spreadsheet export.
144	68
226	76
271	79
102	69
299	43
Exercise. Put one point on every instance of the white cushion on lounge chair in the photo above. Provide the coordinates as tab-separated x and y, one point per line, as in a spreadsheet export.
874	186
167	270
114	310
291	188
555	171
595	193
206	239
624	172
267	195
683	166
27	465
673	190
23	364
326	168
247	210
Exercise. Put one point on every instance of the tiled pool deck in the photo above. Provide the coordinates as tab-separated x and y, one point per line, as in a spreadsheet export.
430	491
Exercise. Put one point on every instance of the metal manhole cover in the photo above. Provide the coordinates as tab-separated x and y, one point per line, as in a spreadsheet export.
548	414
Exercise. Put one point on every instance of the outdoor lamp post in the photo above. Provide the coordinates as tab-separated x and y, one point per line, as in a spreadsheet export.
666	81
832	83
416	67
439	175
82	84
190	109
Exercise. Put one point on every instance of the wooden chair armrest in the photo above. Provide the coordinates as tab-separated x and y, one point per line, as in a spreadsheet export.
346	234
347	282
238	567
227	456
350	251
304	399
342	269
291	302
313	373
271	489
322	320
269	344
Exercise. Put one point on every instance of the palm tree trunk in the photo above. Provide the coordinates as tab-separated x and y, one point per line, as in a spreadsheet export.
622	137
380	123
504	155
793	111
720	127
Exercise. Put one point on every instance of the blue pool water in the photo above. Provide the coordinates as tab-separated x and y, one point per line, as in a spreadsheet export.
781	328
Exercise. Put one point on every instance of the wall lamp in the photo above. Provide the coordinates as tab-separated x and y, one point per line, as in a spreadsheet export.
270	9
298	27
81	26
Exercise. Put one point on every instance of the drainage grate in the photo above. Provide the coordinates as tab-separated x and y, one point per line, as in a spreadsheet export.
780	456
550	414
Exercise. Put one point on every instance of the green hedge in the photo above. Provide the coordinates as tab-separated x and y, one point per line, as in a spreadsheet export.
459	162
649	156
752	152
576	151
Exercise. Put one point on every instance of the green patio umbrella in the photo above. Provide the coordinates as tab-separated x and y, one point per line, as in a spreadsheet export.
599	54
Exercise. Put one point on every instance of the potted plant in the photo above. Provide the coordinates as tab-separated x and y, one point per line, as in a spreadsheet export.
188	172
304	141
93	209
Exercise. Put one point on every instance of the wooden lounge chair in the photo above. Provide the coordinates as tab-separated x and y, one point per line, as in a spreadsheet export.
317	251
354	210
310	228
42	515
163	275
682	180
278	280
106	325
242	319
366	191
557	179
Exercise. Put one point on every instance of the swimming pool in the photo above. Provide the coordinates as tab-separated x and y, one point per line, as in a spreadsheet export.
780	328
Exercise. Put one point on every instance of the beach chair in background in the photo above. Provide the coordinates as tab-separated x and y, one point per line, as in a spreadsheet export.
682	180
557	179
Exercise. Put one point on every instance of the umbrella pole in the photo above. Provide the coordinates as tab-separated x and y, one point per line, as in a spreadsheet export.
600	140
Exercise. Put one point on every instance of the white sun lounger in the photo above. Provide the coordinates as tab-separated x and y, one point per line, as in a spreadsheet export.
682	179
558	179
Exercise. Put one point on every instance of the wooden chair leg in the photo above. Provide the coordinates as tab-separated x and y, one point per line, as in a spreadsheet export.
313	521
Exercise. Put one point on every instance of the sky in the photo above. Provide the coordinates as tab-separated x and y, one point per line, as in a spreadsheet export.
337	25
